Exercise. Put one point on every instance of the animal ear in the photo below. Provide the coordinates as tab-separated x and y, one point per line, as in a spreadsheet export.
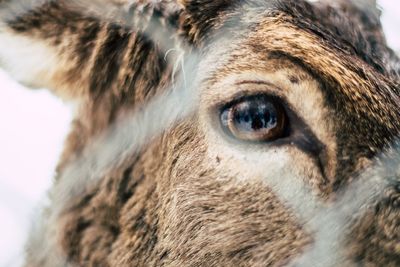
88	49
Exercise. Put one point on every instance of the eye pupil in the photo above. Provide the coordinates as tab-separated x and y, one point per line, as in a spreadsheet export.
258	123
254	116
254	119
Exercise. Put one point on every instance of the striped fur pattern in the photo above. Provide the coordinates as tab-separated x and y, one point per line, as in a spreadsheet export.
189	196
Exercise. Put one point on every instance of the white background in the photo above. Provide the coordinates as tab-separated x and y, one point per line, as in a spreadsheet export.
33	125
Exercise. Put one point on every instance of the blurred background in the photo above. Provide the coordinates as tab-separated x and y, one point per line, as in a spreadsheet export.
33	125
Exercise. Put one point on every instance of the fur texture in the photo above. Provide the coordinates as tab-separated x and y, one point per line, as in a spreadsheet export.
188	196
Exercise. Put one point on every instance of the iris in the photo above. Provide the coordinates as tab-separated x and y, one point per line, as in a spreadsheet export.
256	118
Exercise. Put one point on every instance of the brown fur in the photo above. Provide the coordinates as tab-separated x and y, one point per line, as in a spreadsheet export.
188	199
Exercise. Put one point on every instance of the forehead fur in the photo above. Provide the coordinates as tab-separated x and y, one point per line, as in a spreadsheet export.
344	24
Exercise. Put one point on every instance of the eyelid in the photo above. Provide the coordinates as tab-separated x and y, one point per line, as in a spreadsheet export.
242	95
243	88
254	82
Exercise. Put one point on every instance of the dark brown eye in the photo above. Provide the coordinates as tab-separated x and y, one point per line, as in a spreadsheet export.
257	119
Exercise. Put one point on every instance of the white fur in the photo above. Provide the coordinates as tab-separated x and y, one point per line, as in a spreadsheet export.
31	62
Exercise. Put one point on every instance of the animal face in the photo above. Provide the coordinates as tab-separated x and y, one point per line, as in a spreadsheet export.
286	105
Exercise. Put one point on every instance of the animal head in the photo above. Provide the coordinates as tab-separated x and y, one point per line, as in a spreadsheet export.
222	133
